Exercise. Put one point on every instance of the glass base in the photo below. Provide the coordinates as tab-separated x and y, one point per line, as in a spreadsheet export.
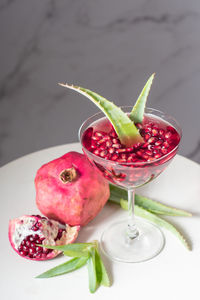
118	246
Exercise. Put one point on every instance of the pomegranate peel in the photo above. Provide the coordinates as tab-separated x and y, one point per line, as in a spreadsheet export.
27	232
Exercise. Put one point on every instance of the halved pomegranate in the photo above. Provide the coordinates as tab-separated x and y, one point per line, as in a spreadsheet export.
26	232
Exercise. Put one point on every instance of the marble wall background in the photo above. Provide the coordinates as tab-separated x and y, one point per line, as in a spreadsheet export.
110	46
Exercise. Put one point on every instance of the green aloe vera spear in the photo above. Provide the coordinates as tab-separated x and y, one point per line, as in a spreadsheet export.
92	272
116	194
80	249
137	112
141	212
83	253
124	127
102	275
69	266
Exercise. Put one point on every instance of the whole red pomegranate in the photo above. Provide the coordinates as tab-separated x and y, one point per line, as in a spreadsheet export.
26	232
69	189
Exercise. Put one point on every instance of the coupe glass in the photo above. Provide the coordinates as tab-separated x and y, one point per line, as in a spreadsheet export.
133	239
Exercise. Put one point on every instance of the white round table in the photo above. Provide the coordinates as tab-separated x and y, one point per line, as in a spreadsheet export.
173	274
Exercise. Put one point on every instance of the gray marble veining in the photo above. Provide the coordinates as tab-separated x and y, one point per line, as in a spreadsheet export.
109	46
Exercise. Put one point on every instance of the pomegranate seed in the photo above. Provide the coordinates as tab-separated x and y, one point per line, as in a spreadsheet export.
102	147
171	129
159	142
148	152
96	152
115	141
114	157
108	144
121	160
116	146
139	153
103	153
151	140
93	145
166	144
96	138
120	150
129	159
164	150
34	228
98	134
157	147
155	151
28	243
161	132
137	146
158	155
168	135
154	132
145	145
151	158
145	156
148	129
123	156
113	134
111	150
101	141
31	250
147	136
129	149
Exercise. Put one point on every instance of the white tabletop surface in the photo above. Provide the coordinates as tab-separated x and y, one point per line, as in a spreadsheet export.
173	274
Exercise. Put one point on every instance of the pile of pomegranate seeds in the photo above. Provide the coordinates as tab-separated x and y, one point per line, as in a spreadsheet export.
158	141
30	249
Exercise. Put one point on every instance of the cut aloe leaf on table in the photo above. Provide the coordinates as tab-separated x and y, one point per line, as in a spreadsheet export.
69	266
85	253
124	127
92	271
116	194
137	112
141	212
74	247
102	275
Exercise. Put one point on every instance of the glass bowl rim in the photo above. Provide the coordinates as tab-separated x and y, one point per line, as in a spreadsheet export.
138	164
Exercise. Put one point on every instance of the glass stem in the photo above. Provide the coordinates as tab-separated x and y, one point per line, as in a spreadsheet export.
132	231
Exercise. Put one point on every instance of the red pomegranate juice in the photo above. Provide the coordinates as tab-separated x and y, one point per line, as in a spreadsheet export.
136	165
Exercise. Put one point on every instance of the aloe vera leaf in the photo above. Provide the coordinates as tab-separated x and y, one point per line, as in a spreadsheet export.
141	212
92	275
75	247
103	278
116	194
69	266
75	253
137	112
102	275
159	208
78	249
124	127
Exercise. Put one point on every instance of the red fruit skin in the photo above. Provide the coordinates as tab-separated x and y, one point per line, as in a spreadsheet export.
15	229
76	202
